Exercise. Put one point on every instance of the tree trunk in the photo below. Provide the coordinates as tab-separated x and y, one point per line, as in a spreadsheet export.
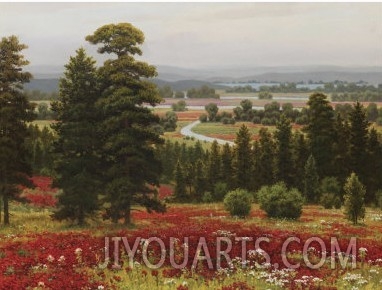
6	208
128	215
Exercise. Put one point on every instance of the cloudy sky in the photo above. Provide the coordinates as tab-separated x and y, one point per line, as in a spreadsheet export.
207	34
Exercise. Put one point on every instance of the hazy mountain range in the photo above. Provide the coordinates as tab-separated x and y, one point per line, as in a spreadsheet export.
46	77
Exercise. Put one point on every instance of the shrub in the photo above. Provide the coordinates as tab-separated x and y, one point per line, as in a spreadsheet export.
238	203
280	202
354	199
256	120
329	200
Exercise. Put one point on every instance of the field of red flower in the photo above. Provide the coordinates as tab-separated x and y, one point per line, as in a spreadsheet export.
73	258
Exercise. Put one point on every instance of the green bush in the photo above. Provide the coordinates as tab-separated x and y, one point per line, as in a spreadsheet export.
280	202
238	203
330	193
329	200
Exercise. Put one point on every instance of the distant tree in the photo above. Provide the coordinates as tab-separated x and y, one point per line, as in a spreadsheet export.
169	121
242	153
311	180
15	112
179	95
202	92
131	168
179	106
78	140
284	161
166	92
42	111
320	131
265	95
354	199
212	111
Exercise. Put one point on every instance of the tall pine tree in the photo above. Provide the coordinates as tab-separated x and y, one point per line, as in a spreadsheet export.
15	112
132	170
242	160
76	149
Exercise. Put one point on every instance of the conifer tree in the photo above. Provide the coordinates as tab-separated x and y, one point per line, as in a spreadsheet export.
266	169
242	161
320	131
341	167
132	170
180	183
227	166
358	141
311	181
213	166
300	156
354	199
15	112
78	142
284	161
374	168
200	181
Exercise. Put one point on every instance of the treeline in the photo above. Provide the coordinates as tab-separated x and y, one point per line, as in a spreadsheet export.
316	161
267	116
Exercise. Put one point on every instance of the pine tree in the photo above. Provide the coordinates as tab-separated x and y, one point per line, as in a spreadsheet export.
320	131
354	199
358	141
15	112
78	142
374	168
132	170
214	166
242	161
300	156
284	161
267	149
341	149
227	167
180	183
311	181
200	181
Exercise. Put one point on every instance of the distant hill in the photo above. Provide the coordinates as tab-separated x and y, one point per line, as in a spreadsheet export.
43	85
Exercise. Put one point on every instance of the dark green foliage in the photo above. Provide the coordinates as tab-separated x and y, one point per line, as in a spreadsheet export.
372	112
166	92
330	190
220	190
202	92
280	202
265	95
168	122
227	170
15	112
214	165
284	161
265	153
131	168
179	106
242	152
311	181
300	151
212	111
358	143
373	180
320	130
238	203
354	199
203	118
76	147
180	184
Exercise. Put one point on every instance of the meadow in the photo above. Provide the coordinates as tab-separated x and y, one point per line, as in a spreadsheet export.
38	253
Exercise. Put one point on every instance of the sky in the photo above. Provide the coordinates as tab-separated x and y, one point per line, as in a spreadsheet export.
194	35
